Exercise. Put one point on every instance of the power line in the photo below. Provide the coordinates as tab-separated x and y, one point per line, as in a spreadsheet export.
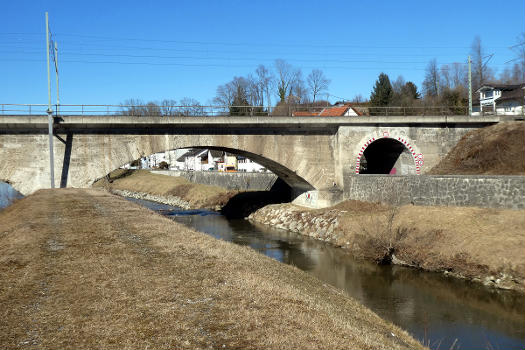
251	44
203	65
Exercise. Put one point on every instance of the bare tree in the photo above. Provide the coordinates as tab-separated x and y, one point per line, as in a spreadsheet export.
190	107
516	73
225	94
254	91
133	107
152	109
317	82
431	82
168	107
481	73
459	75
286	77
264	80
446	80
298	90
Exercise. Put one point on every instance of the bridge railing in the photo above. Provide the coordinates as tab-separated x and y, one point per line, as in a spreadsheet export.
153	110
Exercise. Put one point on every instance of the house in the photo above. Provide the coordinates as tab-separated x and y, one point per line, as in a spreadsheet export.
500	99
210	160
338	110
248	165
200	160
228	163
191	160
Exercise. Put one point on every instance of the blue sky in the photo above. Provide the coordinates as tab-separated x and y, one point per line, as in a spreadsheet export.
110	51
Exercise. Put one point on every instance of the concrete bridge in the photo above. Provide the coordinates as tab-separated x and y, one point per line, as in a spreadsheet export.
312	154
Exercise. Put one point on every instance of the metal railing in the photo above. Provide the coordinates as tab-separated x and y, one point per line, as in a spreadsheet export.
214	111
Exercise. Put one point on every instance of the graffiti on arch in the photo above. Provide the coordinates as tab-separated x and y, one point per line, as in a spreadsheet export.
414	151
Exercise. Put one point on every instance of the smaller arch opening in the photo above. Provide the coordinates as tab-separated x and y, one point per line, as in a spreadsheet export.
387	156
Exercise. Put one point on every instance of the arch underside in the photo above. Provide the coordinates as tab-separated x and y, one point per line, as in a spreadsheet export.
387	155
80	159
290	177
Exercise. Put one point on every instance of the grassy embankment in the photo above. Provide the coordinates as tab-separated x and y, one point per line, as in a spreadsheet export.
494	150
197	195
474	243
85	269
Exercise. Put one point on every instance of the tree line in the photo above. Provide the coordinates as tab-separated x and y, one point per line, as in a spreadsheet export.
168	107
282	81
274	89
447	85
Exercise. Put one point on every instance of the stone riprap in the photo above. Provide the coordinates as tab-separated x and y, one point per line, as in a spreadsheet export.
296	219
170	200
438	190
240	181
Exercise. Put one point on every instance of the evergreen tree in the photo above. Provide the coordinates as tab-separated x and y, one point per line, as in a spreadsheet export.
239	101
409	90
383	93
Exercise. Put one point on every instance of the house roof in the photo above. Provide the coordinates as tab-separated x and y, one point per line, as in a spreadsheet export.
305	114
335	111
508	91
502	87
191	153
216	153
515	94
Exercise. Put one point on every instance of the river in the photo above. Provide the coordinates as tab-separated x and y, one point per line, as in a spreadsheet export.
438	310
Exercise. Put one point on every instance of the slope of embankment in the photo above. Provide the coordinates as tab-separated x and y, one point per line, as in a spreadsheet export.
86	269
167	189
494	150
484	245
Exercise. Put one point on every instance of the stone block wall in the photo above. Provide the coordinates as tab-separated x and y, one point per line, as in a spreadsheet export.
232	181
450	190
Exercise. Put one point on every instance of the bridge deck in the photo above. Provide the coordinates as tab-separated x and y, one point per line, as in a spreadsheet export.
111	121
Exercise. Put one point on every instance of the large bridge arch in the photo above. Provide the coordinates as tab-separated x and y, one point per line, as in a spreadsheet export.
304	163
290	177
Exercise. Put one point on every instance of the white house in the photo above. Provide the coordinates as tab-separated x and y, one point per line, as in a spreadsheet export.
193	159
500	99
248	165
199	160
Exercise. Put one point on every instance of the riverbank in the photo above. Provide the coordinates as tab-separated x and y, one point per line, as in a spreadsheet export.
91	270
483	245
172	190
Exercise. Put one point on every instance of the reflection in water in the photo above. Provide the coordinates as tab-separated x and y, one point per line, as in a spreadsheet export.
434	308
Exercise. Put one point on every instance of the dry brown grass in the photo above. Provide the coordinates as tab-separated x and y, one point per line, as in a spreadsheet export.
86	269
197	195
475	243
493	150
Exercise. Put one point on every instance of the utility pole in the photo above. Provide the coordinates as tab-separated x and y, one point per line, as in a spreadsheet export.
49	111
469	87
56	74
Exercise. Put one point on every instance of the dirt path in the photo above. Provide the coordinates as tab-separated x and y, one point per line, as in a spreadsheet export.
86	269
